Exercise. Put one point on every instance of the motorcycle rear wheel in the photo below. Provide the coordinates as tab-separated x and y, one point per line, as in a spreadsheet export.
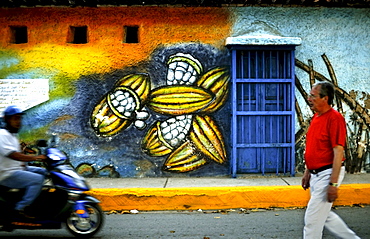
86	227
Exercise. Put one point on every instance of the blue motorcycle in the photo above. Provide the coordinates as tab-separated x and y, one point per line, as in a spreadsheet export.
62	201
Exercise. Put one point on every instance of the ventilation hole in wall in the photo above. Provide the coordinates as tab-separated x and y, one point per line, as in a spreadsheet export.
131	34
77	35
18	34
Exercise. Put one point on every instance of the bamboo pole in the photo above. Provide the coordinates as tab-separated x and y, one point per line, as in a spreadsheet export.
352	103
334	80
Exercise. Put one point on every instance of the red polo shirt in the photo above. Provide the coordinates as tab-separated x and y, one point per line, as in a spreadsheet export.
325	132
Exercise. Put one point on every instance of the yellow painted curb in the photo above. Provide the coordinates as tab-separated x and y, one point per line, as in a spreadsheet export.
205	198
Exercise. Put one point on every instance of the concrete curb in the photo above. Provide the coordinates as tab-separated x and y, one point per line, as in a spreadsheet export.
207	198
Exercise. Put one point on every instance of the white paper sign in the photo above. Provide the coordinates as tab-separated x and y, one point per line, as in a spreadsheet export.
24	93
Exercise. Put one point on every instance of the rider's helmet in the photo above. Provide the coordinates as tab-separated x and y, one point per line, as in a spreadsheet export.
12	110
9	112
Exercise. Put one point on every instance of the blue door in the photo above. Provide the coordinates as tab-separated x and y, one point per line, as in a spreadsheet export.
263	110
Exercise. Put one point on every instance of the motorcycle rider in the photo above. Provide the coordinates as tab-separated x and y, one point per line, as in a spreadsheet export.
14	173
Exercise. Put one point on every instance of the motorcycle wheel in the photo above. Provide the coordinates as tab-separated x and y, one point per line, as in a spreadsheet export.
86	227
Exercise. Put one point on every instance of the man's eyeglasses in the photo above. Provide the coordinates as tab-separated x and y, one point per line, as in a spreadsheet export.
313	96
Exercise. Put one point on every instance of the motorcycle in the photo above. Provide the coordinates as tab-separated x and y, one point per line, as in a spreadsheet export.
62	200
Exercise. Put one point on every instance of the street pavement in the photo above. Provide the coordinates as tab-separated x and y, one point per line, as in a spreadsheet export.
212	224
250	191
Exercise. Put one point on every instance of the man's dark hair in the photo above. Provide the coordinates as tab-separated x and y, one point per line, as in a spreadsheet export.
326	89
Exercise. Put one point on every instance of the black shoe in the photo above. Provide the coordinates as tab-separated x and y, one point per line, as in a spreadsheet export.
7	228
20	214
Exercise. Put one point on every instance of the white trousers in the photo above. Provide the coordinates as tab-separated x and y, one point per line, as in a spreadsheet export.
319	214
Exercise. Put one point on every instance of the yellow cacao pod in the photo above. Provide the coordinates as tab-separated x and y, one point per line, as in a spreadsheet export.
217	81
153	143
139	83
179	100
104	122
184	159
108	117
208	139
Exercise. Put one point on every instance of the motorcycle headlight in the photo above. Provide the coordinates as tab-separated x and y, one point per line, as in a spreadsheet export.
54	157
73	196
77	180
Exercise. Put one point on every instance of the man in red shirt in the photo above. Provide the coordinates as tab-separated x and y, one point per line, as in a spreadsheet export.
324	156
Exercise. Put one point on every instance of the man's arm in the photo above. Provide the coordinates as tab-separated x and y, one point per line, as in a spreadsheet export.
337	164
26	158
306	179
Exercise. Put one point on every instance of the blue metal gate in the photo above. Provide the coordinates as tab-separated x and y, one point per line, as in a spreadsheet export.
263	110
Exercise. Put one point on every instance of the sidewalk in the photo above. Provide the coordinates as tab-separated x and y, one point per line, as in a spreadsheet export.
175	193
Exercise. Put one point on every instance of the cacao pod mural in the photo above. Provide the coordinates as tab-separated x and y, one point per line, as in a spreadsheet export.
190	137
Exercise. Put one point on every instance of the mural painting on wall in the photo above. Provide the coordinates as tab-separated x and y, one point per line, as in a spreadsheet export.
357	118
190	137
176	114
170	114
158	117
139	122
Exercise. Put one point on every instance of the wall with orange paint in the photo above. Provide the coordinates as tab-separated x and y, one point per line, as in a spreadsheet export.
105	51
81	75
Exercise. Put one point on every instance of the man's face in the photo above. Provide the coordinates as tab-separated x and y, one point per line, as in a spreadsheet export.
315	102
15	121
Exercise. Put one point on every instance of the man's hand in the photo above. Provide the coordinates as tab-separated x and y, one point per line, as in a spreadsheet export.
332	193
306	179
26	158
40	158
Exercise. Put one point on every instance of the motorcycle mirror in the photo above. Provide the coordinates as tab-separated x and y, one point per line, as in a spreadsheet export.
54	141
42	143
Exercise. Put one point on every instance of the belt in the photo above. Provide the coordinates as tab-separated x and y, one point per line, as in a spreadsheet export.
316	171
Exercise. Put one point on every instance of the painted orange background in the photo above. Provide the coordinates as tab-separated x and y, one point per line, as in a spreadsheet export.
48	55
47	45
